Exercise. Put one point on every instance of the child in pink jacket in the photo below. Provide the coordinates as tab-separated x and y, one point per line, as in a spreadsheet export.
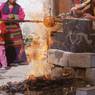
3	60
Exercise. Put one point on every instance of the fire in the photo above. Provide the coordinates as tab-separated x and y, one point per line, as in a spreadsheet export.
50	40
39	60
39	48
39	56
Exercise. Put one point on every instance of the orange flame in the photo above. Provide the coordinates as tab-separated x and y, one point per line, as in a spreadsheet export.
38	53
38	56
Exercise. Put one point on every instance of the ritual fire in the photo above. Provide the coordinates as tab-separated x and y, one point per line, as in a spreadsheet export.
41	79
44	78
59	48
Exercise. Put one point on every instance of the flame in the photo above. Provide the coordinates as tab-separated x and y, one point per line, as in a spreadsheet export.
38	57
50	40
39	49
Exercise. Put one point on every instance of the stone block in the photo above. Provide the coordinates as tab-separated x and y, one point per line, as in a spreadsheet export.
84	60
86	91
57	57
90	74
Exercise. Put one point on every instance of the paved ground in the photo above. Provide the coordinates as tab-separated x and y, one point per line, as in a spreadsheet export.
18	73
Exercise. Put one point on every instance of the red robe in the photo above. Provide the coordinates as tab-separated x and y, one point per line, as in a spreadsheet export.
2	33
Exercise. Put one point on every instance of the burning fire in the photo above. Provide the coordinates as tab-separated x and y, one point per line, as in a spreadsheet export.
39	60
38	56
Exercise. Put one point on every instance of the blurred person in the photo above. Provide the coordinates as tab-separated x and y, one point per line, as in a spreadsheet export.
85	9
3	59
10	10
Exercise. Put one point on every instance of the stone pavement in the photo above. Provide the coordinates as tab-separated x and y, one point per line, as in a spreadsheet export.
18	73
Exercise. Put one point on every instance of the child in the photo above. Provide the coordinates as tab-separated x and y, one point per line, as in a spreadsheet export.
3	60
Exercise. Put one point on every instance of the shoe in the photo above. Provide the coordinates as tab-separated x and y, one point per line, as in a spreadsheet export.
13	64
3	68
23	63
7	68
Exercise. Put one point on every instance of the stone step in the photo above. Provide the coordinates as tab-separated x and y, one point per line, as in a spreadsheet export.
90	74
82	60
57	57
86	91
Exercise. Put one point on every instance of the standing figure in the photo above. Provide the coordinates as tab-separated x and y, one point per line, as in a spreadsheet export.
10	10
3	60
85	9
